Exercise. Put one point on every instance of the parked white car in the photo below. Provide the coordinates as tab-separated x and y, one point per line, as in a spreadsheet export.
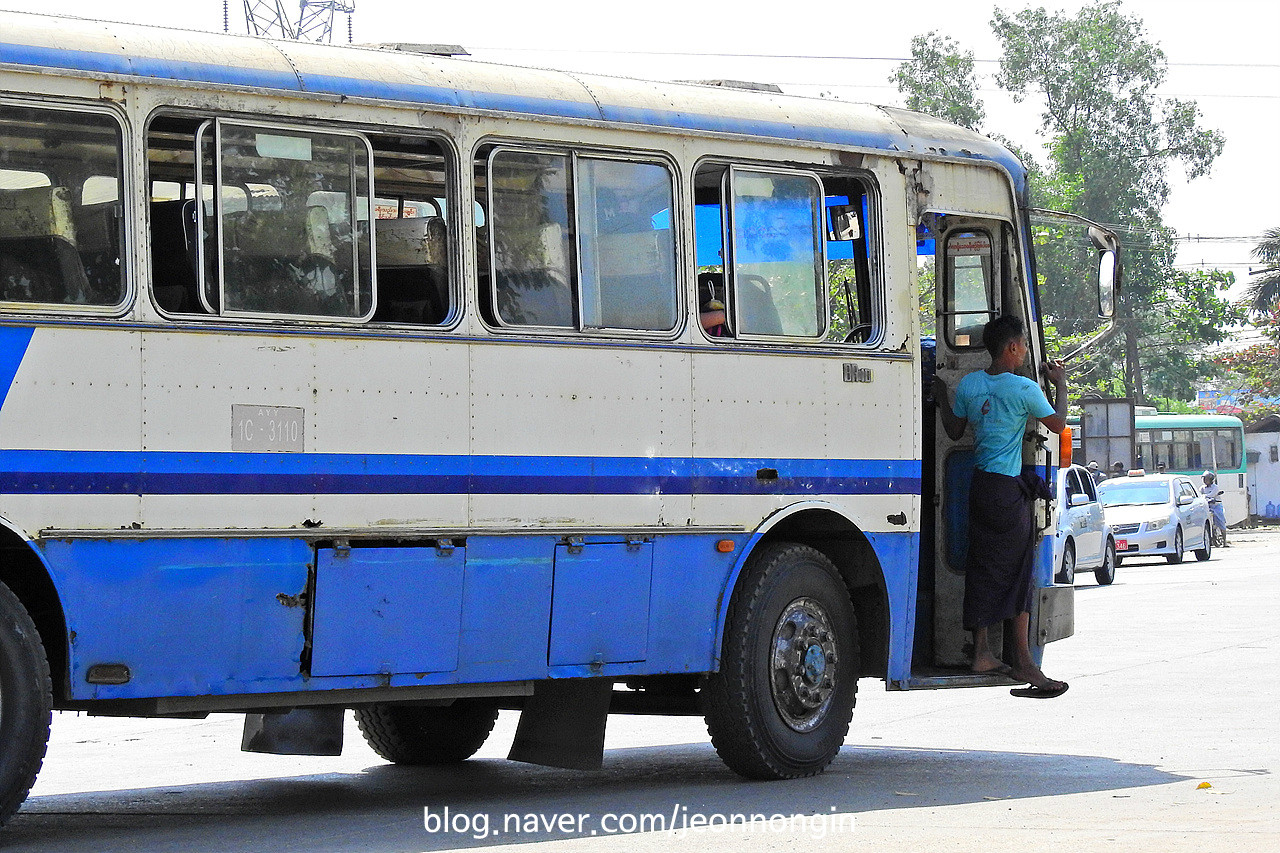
1083	540
1157	515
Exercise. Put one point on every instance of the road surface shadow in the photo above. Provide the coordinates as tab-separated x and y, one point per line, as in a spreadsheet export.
502	802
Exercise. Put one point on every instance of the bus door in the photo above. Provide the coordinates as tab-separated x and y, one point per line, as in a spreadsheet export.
971	259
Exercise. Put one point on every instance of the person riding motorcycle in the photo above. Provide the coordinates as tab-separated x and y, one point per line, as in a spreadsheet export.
1213	495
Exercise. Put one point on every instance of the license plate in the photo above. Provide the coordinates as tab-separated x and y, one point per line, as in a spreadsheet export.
1122	544
266	428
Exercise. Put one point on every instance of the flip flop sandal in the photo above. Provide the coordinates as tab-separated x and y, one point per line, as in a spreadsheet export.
1039	692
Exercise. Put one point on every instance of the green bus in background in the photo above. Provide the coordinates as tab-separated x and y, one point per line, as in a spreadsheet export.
1193	444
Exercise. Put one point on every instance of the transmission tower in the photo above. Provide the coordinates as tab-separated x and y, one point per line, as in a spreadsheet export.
314	22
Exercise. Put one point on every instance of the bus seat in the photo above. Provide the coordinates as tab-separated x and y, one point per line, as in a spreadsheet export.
97	228
173	255
318	232
410	242
756	311
271	234
98	238
412	270
412	295
38	257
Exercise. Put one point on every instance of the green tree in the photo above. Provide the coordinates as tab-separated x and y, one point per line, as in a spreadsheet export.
940	80
1264	294
1110	143
1255	370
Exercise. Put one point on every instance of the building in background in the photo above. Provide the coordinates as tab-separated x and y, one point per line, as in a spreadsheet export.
1262	453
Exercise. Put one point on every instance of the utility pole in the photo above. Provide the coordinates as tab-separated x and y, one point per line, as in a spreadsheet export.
314	21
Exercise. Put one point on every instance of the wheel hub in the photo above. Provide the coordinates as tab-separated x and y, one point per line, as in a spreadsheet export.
804	664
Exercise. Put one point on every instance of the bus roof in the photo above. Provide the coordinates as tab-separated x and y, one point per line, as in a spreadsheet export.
1205	421
146	53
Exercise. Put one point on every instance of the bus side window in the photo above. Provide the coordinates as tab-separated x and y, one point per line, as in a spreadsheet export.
713	297
572	241
765	234
776	251
971	297
295	251
275	213
532	239
60	214
412	231
850	288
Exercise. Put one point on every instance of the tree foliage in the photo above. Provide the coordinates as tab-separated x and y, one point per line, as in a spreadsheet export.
1264	293
1110	141
1255	370
940	80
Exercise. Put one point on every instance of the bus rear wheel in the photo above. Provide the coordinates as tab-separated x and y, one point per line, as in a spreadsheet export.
26	703
780	705
420	735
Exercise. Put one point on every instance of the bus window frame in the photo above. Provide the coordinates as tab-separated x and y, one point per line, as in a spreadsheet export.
1011	276
453	171
877	289
450	155
218	122
489	149
877	311
822	296
127	236
994	285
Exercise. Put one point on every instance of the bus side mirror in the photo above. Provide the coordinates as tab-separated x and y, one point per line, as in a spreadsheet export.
1108	246
1108	282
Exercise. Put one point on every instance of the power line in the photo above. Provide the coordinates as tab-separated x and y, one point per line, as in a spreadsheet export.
800	56
826	84
1255	238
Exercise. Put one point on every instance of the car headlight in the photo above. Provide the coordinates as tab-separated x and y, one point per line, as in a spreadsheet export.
1157	523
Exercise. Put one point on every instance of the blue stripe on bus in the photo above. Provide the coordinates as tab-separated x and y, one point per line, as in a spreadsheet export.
183	473
141	66
14	341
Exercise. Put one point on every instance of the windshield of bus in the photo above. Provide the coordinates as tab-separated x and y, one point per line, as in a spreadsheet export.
1135	493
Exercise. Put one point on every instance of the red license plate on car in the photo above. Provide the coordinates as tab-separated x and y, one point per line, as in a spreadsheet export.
1122	544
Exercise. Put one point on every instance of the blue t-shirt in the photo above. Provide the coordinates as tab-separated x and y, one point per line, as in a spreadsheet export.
998	407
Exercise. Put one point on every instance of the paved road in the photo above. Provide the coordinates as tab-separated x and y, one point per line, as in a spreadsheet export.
1175	682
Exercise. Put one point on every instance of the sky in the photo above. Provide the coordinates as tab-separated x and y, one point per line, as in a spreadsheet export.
1223	54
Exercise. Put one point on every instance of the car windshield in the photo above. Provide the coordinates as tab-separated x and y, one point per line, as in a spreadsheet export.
1133	494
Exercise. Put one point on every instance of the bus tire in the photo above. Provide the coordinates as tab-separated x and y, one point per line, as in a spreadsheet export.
421	735
26	703
780	704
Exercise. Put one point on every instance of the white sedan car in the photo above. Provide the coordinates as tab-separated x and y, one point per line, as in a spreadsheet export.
1156	515
1083	540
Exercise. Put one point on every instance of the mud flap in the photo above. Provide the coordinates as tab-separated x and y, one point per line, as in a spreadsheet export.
562	724
302	731
1056	614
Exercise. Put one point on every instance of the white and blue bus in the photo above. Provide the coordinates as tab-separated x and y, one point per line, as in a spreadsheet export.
363	378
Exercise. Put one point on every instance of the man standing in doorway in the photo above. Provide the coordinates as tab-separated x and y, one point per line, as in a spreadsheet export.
998	402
